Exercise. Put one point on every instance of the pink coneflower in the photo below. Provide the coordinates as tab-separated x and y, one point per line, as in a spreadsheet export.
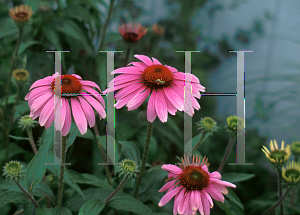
193	186
163	83
132	33
78	96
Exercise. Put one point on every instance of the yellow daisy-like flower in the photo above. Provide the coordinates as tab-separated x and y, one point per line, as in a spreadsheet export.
233	124
291	174
21	13
296	148
275	155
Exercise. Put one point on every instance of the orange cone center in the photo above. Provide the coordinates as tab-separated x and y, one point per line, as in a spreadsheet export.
157	76
69	84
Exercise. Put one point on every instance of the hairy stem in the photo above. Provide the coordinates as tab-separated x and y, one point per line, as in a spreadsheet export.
200	140
28	195
279	187
278	202
62	169
121	185
144	159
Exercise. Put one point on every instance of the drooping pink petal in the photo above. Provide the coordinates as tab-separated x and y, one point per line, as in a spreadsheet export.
216	194
39	102
79	116
167	186
145	59
223	183
178	200
42	82
221	188
216	175
174	98
181	76
195	104
172	168
63	112
168	196
205	204
46	112
137	100
49	121
172	69
37	91
161	106
128	90
97	106
171	109
199	202
95	94
208	198
182	206
88	111
193	200
68	119
90	84
121	102
77	76
151	112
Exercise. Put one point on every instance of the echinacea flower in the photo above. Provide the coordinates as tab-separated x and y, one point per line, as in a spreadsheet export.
133	33
165	85
193	187
20	74
21	13
13	170
77	96
291	174
277	156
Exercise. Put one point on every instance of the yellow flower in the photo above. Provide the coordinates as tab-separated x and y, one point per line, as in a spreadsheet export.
21	13
233	123
275	155
291	174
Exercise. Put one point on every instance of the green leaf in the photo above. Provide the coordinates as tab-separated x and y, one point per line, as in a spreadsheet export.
12	196
72	136
37	166
53	37
131	151
92	207
77	12
84	178
14	149
43	189
129	204
224	207
11	99
235	176
7	27
45	211
64	211
25	45
234	198
110	141
18	138
55	169
21	109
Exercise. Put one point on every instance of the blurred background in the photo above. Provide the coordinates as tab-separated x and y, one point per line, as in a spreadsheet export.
269	28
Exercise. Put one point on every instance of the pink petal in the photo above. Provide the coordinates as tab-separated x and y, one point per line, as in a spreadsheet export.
167	186
128	70
195	104
171	109
177	201
94	93
155	61
168	196
199	202
124	78
77	76
58	116
181	76
172	69
208	198
38	103
88	111
140	65
68	119
97	106
182	207
172	168
45	81
137	100
174	98
49	121
46	112
223	183
151	112
161	106
145	59
221	188
216	175
216	194
90	84
79	116
193	200
205	204
128	90
37	91
63	112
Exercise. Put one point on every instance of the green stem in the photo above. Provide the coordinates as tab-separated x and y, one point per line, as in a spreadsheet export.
31	140
8	88
111	7
278	202
62	169
103	154
121	185
28	195
200	140
279	187
227	152
144	159
127	56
